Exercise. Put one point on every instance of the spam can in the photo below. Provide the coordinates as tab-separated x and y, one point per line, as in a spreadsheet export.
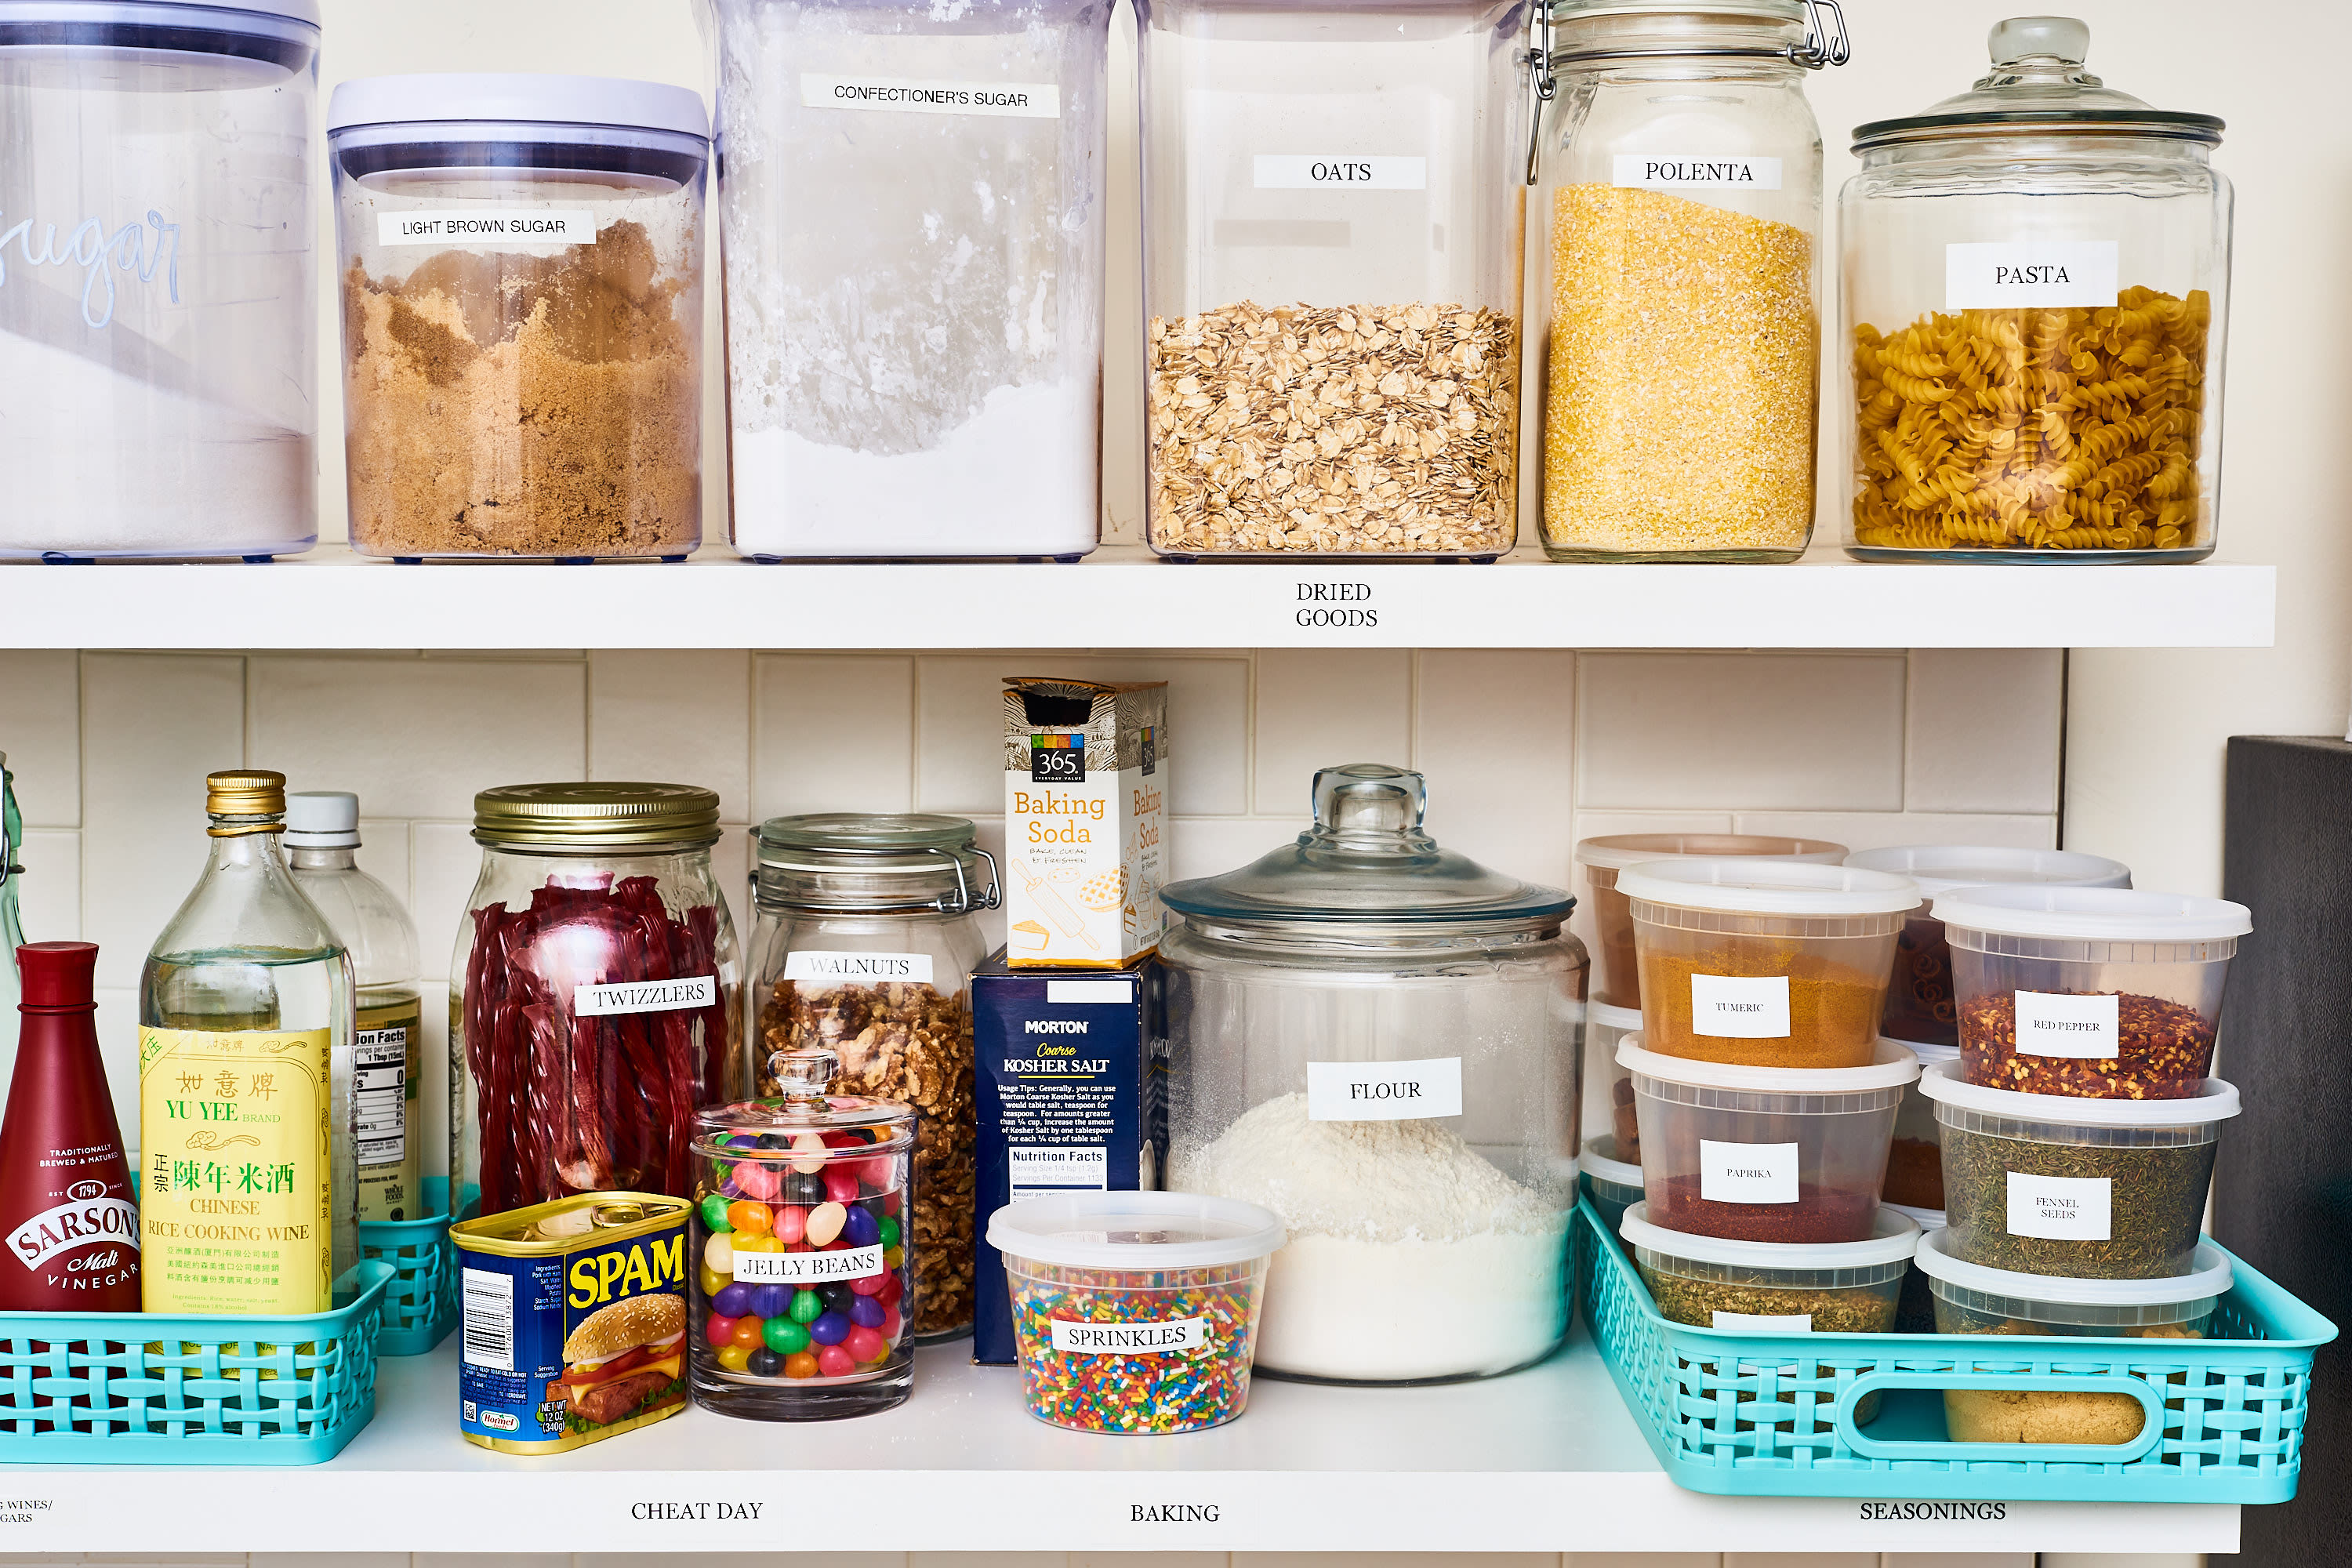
574	1325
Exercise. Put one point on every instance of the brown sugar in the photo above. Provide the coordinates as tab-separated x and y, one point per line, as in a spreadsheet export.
510	405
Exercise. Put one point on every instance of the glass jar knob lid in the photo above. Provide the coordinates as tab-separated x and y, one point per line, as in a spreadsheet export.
2037	82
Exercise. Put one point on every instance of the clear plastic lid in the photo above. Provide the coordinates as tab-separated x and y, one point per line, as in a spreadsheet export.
1621	1019
1893	1239
1600	1162
1926	1219
1617	851
1135	1232
806	1105
1940	868
1942	1082
1748	885
2038	83
1892	1065
2093	914
515	98
2208	1276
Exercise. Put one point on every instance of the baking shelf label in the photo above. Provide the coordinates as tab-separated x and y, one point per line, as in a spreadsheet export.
487	229
907	95
1173	1336
858	968
1310	172
1747	1173
2051	1025
807	1268
645	996
1766	1322
1684	171
1740	1008
2059	1208
2003	274
1383	1091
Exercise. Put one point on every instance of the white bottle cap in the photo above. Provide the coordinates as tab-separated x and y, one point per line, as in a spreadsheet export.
323	819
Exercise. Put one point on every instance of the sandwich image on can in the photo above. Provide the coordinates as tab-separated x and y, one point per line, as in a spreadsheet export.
624	1360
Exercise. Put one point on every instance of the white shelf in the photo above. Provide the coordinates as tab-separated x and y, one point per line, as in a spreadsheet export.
1121	597
1546	1460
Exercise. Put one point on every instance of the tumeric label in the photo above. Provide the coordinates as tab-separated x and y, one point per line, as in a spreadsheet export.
234	1186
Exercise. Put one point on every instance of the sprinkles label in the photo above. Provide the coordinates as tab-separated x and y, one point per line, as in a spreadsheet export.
1174	1336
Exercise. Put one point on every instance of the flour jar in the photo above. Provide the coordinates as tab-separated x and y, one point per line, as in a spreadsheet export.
913	204
1376	1039
158	302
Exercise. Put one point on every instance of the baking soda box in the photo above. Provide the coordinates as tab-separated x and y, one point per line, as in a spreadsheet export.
1085	809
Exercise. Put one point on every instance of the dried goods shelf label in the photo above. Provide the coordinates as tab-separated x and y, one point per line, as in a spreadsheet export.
907	95
486	229
2061	1208
645	996
1766	1322
1039	1169
808	1267
2055	1025
1740	1006
858	968
1312	172
1383	1091
1999	275
1173	1336
1684	171
1747	1173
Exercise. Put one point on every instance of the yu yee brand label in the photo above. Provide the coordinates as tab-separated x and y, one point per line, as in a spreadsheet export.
1676	171
2004	274
75	1223
901	95
481	228
1173	1336
1383	1091
858	968
646	996
1286	172
142	250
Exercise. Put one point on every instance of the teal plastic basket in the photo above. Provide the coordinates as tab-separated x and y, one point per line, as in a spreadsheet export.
134	1388
1745	1414
420	1304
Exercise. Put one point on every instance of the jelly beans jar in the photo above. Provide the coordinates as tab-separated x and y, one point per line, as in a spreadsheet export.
802	1250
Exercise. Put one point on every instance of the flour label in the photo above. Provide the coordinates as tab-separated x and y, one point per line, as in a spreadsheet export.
645	996
808	1267
1766	1322
1684	172
2061	1208
1740	1008
858	968
2006	274
1170	1336
907	95
487	229
2052	1025
1383	1091
1286	171
1747	1173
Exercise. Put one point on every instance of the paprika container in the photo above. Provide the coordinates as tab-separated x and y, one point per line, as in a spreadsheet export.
869	927
594	995
1617	980
1375	1039
2036	282
1332	221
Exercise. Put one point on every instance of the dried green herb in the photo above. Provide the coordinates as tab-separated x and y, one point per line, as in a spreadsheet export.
2155	1199
1846	1309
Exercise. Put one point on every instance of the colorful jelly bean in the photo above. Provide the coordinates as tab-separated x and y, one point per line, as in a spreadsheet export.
719	1329
860	1228
765	1363
891	1323
806	1308
785	1337
789	1224
748	1214
746	1333
809	1153
734	1302
770	1301
865	1312
1175	1391
835	1361
806	1189
868	1284
824	1223
734	1358
829	1327
889	1231
712	1280
714	1213
801	1365
757	1180
864	1344
840	1184
718	1253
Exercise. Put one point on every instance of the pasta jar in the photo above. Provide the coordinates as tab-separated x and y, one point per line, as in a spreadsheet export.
1679	275
804	1257
1332	222
593	1000
2036	279
869	929
521	262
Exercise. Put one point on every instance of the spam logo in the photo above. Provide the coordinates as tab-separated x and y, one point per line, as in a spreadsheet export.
615	1273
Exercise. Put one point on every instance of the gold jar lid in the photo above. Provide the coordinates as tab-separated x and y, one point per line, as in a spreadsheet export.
596	816
244	792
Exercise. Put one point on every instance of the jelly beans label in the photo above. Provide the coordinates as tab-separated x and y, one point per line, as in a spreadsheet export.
1683	172
1310	172
807	1268
1175	1336
2051	1025
1383	1091
858	968
487	229
1740	1008
1747	1173
646	996
2001	274
1766	1322
2061	1208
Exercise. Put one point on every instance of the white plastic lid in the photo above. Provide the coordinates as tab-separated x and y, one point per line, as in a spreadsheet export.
1616	851
1746	885
1600	1162
1931	1051
1617	1018
323	819
2216	1102
1893	1238
1892	1065
517	96
119	11
1926	1219
1135	1231
2209	1276
1940	868
2093	914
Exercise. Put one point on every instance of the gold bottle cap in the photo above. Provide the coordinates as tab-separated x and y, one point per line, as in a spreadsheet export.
244	792
596	816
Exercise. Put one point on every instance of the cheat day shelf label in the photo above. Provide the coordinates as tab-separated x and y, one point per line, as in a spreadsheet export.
907	95
1383	1091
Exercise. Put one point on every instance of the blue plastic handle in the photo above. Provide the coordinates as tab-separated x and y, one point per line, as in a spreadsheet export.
2151	1431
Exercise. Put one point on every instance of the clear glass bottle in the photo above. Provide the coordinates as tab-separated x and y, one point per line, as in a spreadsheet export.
1678	276
245	1026
322	840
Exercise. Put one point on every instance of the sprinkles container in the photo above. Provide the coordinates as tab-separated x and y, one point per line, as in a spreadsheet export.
1135	1312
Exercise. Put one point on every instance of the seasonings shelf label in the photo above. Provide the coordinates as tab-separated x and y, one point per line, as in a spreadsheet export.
2061	1208
2053	1024
1766	1322
1999	275
1171	1336
905	95
1740	1006
487	229
1312	172
646	996
1683	172
1747	1173
858	968
1383	1091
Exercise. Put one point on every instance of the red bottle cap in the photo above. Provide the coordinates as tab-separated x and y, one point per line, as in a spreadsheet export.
57	974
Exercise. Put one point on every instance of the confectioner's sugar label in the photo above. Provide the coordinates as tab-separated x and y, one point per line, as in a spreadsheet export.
645	996
2061	1208
487	229
907	95
1313	172
1039	1169
858	968
1171	1336
1740	1006
1686	171
1383	1091
2003	274
2054	1025
807	1268
1747	1173
1766	1322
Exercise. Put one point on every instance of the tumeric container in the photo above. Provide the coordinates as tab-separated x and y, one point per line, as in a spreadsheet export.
1616	979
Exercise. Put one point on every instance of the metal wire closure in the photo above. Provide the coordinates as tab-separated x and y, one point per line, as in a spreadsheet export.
965	902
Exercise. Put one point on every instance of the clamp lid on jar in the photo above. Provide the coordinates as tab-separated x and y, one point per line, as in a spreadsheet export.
2038	83
873	863
648	817
806	1106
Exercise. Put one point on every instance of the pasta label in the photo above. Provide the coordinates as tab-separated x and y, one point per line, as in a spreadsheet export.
1683	172
1999	275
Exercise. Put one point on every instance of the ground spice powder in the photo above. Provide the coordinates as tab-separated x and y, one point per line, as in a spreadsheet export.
1820	1214
2048	1414
1832	1007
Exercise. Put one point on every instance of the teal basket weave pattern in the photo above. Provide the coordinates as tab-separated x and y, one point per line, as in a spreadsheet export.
132	1388
1751	1414
420	1302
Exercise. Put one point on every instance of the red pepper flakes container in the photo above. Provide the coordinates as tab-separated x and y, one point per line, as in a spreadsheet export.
595	997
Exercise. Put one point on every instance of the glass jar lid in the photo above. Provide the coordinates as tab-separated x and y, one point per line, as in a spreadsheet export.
1367	860
805	1103
846	862
588	817
2038	83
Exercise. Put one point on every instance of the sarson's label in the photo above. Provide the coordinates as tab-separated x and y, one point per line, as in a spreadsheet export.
907	95
858	968
1996	275
645	996
487	229
1685	171
807	1268
70	1224
1383	1091
1171	1336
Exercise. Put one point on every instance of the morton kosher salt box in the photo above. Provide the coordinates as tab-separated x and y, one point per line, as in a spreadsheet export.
1070	1097
1085	810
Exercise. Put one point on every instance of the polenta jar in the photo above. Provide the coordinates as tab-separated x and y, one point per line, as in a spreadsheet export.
1678	272
2036	281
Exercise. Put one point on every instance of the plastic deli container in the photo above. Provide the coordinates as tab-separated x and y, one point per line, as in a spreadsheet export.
1764	963
1972	1300
1920	1003
1135	1312
2096	1189
521	260
1914	1160
1606	1080
1915	1311
1765	1154
2098	992
1613	1184
1616	979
